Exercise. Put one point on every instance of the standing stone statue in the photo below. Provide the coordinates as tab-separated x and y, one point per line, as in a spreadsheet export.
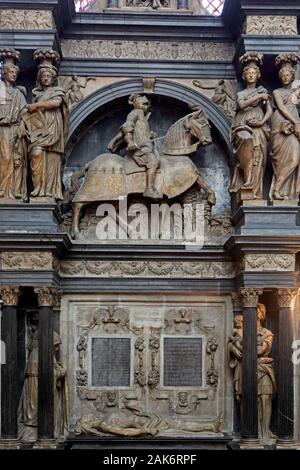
266	386
286	133
12	148
29	398
47	126
250	130
235	353
61	395
265	377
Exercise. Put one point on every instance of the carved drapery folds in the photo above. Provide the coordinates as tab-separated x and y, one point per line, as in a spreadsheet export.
10	295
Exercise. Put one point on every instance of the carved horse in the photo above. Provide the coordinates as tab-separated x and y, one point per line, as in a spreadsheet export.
109	177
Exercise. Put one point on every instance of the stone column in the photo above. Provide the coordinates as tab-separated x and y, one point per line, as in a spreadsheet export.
9	371
285	380
46	354
249	406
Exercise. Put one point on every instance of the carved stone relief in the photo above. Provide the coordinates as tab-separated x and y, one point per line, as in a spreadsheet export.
183	410
36	261
269	262
271	25
200	270
26	19
144	50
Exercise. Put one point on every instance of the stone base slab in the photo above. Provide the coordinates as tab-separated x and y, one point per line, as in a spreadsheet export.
30	218
267	221
10	444
45	444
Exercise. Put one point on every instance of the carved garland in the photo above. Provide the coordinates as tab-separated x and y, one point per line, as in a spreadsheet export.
203	269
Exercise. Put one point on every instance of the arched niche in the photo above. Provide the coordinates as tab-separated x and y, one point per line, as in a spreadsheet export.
98	118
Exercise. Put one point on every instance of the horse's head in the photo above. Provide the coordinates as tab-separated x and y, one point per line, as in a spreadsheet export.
197	124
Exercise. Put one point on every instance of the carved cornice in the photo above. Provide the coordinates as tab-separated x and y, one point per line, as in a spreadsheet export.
249	296
268	25
147	50
26	20
46	296
125	269
269	262
286	297
34	261
10	295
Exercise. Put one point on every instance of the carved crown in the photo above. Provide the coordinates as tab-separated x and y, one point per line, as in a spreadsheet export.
287	58
252	59
47	58
9	56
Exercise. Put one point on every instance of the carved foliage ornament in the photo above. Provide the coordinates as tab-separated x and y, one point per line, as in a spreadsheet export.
46	296
141	50
21	260
271	25
10	295
286	297
269	262
250	296
212	270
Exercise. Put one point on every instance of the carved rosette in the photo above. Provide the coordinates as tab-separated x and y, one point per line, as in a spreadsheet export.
286	297
46	296
10	295
250	296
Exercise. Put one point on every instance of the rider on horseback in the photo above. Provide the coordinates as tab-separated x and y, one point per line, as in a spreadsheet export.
139	139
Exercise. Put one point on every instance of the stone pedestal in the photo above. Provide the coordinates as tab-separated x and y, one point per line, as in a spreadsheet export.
267	220
32	218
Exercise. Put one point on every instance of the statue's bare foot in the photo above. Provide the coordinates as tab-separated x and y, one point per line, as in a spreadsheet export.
277	195
35	193
153	193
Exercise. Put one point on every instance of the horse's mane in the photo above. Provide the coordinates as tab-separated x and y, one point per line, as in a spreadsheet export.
177	132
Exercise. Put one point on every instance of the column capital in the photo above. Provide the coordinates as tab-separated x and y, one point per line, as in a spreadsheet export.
286	297
46	296
249	296
236	299
10	295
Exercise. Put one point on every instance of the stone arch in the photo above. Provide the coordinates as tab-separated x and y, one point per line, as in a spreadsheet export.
162	87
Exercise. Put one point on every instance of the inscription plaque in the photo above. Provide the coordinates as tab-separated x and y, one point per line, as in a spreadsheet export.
111	362
182	362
